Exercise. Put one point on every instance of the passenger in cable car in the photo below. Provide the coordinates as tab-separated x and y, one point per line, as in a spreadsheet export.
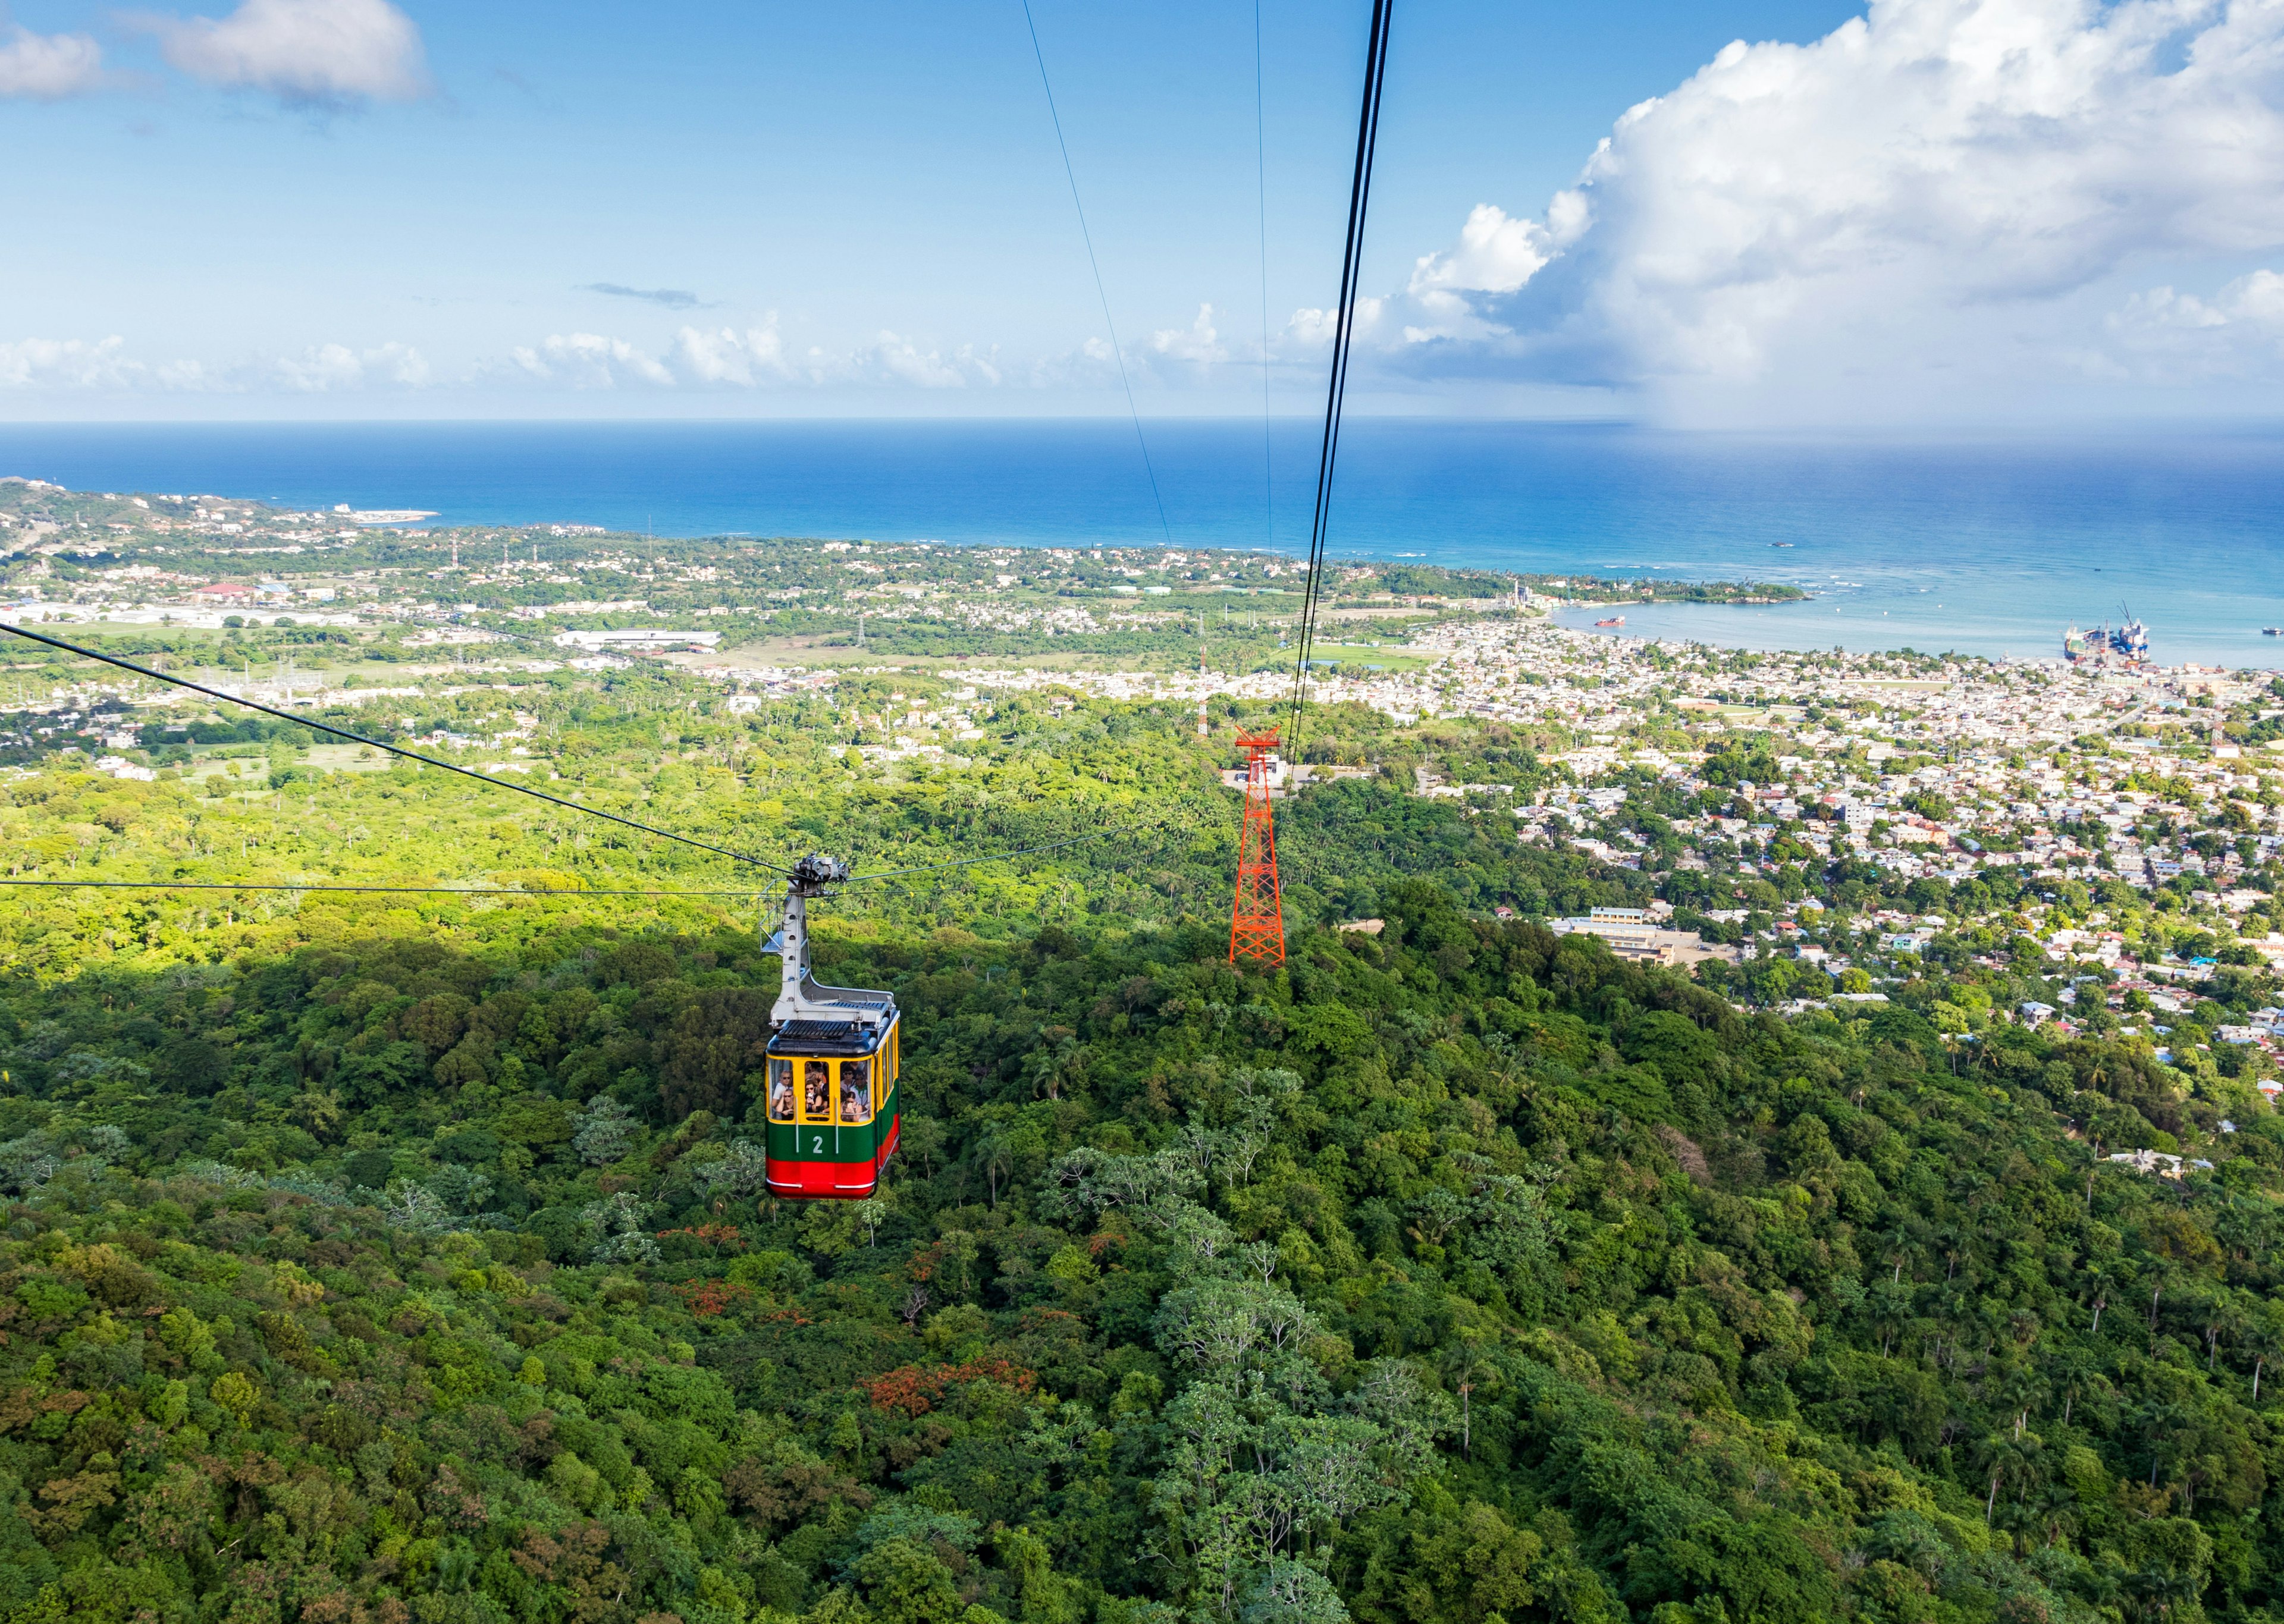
817	1081
856	1095
781	1090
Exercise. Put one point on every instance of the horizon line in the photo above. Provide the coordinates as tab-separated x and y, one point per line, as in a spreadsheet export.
2052	428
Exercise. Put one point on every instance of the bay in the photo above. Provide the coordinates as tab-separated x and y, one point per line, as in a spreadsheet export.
1987	546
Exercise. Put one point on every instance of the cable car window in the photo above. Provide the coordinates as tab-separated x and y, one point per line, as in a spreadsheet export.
855	1092
816	1091
781	1090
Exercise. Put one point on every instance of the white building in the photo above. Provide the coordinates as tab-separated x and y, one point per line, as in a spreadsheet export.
651	639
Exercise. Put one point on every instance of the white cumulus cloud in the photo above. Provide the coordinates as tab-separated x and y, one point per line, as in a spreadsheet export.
106	365
892	358
1197	344
727	356
1313	329
1932	188
69	364
1495	254
2172	337
334	367
49	66
306	53
591	361
748	358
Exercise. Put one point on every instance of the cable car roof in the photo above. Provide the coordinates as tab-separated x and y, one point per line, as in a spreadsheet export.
827	1039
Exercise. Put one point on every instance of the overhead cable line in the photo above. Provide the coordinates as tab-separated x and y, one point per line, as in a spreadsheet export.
379	744
1375	76
525	891
521	789
1117	353
216	885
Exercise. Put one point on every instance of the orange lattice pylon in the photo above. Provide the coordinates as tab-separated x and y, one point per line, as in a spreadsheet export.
1256	925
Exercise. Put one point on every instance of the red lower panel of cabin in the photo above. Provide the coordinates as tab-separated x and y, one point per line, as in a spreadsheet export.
833	1181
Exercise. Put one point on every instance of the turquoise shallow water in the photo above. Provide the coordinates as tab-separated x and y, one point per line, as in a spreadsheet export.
1981	546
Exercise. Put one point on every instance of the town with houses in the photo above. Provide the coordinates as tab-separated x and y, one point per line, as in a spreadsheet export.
1808	831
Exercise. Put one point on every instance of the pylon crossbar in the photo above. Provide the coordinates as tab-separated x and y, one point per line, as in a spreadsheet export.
1256	927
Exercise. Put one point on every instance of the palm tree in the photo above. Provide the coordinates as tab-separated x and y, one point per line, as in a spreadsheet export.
2158	1420
2021	1458
1952	1242
2053	1507
2098	1278
2021	1389
1991	1454
2072	1366
1467	1367
1891	1312
2224	1316
2157	1278
2265	1337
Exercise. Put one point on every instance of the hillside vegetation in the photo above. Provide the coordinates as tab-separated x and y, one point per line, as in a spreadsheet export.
371	1259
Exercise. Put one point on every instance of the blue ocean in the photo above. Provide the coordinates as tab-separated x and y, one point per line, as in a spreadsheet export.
1981	546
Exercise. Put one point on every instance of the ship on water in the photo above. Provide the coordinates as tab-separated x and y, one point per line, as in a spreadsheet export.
2125	643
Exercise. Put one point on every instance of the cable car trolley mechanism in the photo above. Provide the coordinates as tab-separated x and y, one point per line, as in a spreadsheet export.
831	1064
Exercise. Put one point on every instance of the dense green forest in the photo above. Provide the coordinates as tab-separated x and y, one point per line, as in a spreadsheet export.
373	1258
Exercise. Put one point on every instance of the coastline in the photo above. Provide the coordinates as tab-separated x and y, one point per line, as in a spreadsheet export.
1986	549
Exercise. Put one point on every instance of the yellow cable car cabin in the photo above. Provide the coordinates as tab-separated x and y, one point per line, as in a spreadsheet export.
831	1109
832	1067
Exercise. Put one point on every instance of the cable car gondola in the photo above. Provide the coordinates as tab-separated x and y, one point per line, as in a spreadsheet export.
831	1065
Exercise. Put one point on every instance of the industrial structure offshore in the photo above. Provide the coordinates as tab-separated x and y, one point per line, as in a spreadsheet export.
2125	643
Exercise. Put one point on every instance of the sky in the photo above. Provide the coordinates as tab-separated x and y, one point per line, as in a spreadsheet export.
1725	213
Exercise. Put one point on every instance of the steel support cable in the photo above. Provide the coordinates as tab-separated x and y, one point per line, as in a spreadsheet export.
550	891
265	884
521	789
379	744
1118	353
1313	580
1343	331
